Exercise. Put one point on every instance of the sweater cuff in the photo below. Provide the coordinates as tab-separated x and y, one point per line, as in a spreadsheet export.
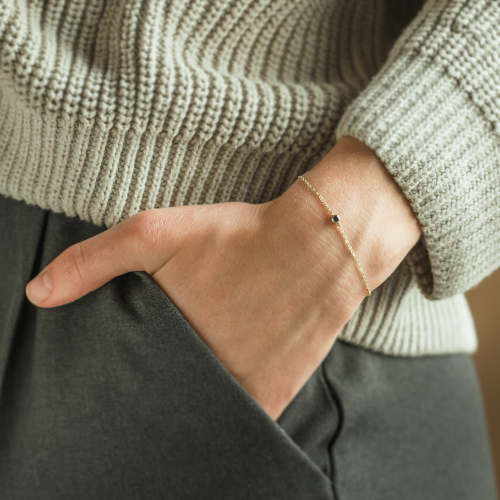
431	137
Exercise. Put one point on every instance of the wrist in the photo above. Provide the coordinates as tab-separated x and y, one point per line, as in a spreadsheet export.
300	229
376	217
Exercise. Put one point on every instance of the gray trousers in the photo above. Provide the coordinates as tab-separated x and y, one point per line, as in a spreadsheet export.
115	397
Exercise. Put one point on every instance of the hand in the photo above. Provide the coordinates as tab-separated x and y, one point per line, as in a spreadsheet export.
267	287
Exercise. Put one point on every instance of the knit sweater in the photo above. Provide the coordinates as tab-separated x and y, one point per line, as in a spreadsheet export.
108	108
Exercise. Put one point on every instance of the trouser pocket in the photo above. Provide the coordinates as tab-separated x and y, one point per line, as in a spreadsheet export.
115	396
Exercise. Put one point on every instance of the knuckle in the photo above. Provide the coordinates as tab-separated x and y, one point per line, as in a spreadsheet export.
75	264
146	228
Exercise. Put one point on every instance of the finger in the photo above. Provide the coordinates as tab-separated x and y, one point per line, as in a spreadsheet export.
90	264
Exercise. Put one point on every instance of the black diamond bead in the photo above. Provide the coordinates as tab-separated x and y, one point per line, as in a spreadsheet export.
336	218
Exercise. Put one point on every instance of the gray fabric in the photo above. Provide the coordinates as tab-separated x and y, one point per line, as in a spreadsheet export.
410	428
115	396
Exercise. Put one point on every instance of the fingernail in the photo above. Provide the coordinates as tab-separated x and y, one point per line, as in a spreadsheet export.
40	288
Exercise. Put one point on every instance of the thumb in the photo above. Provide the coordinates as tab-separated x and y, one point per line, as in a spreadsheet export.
90	264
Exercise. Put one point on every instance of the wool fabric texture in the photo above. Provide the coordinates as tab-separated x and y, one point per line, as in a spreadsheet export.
108	108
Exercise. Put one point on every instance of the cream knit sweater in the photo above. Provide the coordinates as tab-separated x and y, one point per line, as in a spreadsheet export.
111	107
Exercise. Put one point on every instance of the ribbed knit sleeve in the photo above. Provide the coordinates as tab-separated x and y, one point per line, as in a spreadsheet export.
432	115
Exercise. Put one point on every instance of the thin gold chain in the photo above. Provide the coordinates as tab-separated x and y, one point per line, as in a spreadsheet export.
335	218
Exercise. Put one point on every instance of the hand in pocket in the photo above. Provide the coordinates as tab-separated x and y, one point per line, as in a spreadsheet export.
267	287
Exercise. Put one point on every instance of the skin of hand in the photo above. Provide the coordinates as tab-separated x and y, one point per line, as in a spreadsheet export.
268	287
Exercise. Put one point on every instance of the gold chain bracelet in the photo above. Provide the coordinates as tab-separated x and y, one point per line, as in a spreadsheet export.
336	220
